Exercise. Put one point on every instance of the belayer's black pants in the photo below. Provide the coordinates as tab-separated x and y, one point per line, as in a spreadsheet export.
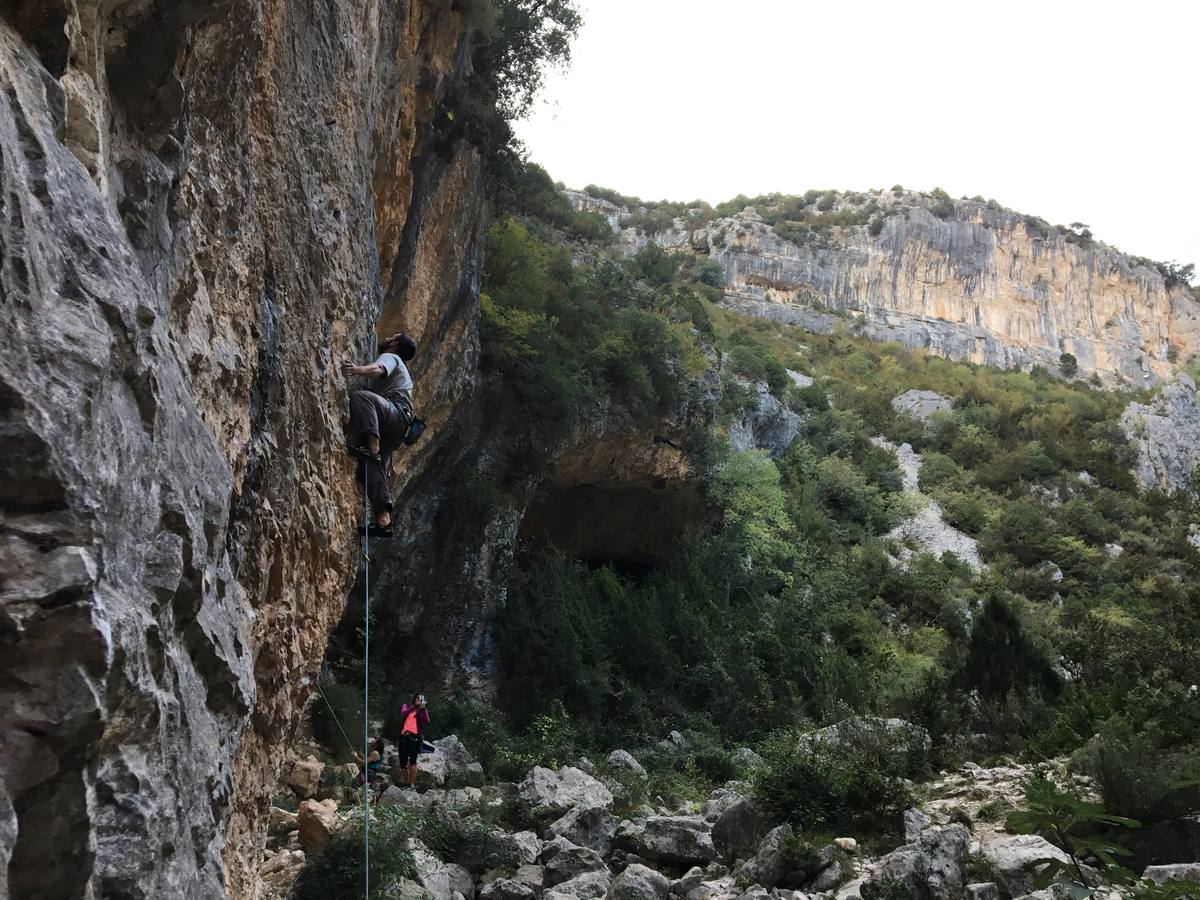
371	413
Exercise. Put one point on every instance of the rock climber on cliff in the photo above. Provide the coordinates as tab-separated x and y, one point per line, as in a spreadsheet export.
379	419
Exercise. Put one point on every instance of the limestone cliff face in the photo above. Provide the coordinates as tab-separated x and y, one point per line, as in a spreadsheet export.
205	205
1166	435
982	284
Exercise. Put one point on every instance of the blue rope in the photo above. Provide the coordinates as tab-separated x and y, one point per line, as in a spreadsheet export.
366	684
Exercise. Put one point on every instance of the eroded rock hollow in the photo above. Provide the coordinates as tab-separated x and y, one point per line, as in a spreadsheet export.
204	207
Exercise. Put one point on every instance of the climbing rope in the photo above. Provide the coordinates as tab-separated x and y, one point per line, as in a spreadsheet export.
336	721
366	682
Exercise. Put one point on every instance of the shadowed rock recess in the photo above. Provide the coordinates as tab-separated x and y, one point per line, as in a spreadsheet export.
199	203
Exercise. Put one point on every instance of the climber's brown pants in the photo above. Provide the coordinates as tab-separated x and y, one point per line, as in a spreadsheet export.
372	414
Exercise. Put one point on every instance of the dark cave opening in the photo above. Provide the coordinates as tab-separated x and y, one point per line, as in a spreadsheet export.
632	528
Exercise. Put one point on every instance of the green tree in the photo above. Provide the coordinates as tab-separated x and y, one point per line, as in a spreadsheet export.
757	527
520	39
1068	365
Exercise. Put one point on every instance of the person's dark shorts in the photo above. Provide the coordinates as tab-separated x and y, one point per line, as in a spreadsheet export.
410	749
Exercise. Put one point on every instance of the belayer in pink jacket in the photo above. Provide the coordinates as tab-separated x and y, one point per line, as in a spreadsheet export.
413	719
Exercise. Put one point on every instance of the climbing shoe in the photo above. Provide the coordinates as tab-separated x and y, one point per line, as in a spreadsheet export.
374	530
362	453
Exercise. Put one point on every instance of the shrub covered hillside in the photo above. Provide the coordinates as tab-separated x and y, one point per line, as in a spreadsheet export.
790	609
801	599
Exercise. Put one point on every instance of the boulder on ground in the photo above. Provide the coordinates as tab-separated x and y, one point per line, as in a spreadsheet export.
587	886
1181	871
305	776
983	890
448	764
282	817
770	862
460	799
624	761
930	869
618	790
639	882
739	829
1016	859
431	771
829	877
676	840
545	792
506	889
531	876
564	861
439	878
691	879
673	743
719	801
317	820
280	870
915	822
849	844
723	888
587	826
525	845
921	405
407	798
745	758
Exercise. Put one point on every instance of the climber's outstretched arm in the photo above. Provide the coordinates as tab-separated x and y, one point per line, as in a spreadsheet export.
371	370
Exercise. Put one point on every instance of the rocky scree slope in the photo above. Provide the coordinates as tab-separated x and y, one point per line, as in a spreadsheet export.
965	279
204	207
582	838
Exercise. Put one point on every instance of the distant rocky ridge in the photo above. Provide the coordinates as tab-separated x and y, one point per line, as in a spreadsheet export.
965	279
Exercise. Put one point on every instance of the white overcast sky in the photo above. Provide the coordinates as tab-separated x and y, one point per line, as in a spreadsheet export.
1069	110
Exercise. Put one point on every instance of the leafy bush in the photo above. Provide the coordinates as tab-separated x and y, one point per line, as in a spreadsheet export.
1020	529
1139	777
967	510
337	870
942	208
1068	365
939	471
1063	818
859	781
848	497
754	364
1003	656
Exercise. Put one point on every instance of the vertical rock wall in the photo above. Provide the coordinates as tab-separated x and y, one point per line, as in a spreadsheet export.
205	205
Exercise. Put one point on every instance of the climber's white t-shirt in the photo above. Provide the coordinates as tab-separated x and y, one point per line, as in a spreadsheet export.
397	383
